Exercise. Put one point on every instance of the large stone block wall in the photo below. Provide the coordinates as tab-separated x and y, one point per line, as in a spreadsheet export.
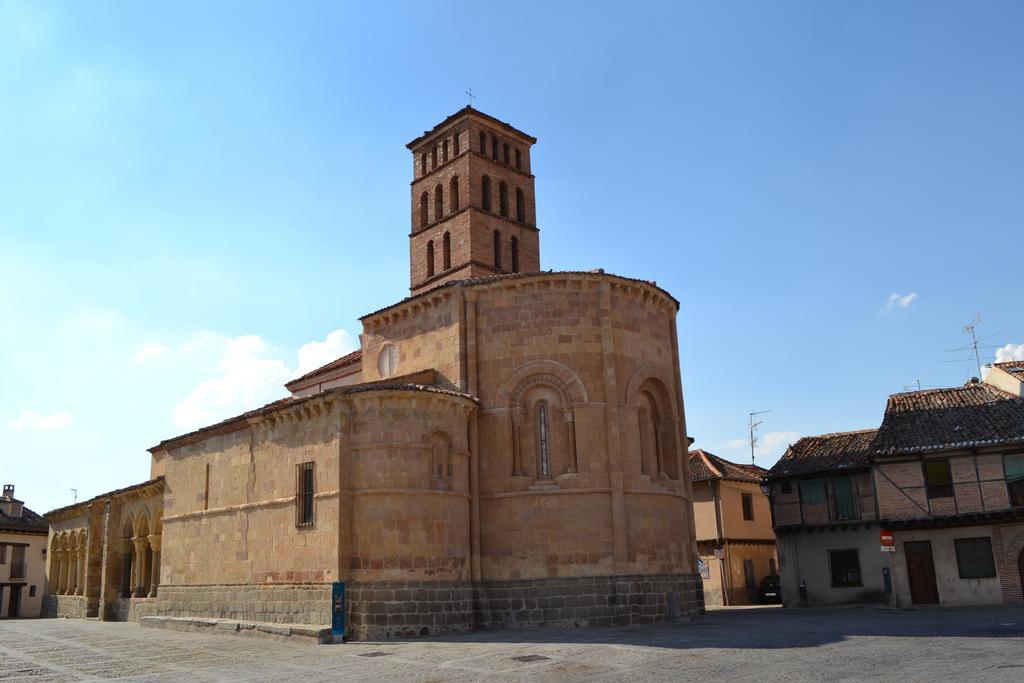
405	609
70	606
279	604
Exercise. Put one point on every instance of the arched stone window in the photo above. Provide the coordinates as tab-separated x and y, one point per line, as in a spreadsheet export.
505	154
519	159
515	254
438	202
446	249
430	258
485	190
520	205
442	465
497	250
658	446
424	220
453	193
543	441
494	148
444	150
503	198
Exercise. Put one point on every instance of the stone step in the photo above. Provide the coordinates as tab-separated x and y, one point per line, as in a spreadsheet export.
295	633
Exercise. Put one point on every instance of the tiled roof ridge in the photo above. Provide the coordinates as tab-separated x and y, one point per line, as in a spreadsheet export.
970	385
469	109
340	362
1004	363
514	276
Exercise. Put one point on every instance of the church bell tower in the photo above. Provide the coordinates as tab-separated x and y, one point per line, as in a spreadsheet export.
473	209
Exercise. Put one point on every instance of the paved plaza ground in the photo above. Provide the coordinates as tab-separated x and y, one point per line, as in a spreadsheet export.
734	644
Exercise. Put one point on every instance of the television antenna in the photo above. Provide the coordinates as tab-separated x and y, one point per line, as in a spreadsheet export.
916	381
74	491
975	346
751	425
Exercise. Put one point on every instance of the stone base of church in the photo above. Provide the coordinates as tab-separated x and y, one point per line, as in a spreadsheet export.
389	609
274	604
382	610
69	606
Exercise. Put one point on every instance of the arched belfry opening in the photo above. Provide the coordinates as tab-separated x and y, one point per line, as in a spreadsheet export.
489	190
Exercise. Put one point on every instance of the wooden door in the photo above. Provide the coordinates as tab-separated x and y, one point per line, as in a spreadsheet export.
921	573
14	606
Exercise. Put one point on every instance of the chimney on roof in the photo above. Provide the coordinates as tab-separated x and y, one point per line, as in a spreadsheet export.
9	491
9	506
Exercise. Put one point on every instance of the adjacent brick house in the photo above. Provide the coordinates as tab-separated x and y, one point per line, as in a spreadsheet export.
944	473
734	529
506	449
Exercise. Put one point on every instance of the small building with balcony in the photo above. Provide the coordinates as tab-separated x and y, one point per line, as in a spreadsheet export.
22	557
825	520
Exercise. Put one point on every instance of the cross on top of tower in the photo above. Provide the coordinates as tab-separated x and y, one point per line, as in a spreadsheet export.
471	96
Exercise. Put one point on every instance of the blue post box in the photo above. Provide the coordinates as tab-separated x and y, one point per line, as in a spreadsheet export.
338	609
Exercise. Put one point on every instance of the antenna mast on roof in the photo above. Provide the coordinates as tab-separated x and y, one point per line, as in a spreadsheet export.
752	426
74	491
975	346
969	329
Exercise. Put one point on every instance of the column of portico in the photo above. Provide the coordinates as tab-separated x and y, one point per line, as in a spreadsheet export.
72	571
154	574
140	543
80	590
55	573
62	576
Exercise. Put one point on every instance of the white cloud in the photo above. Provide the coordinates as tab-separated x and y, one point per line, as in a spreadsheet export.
1010	352
898	301
317	353
148	352
770	446
30	419
245	379
248	373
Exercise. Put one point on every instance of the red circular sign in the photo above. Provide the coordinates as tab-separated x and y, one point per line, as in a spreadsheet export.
888	539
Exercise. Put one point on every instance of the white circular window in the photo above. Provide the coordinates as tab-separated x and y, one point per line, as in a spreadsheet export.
387	361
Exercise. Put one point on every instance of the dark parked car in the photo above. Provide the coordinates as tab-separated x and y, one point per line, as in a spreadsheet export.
770	592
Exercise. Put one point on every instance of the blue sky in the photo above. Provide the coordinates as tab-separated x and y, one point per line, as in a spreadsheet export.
198	200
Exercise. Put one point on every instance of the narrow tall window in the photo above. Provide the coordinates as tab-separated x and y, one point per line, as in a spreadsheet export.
543	442
423	163
843	501
446	246
1014	467
424	199
485	190
453	193
503	198
748	506
520	205
430	258
494	148
497	250
438	203
433	157
483	143
444	150
938	479
206	489
455	144
748	573
519	159
505	154
304	494
515	254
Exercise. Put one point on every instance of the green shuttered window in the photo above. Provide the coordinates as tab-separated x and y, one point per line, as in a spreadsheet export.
842	497
812	491
974	558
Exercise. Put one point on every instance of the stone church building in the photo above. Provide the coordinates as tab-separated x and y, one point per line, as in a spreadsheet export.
508	448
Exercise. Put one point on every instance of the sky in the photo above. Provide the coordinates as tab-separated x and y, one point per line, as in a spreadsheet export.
199	199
